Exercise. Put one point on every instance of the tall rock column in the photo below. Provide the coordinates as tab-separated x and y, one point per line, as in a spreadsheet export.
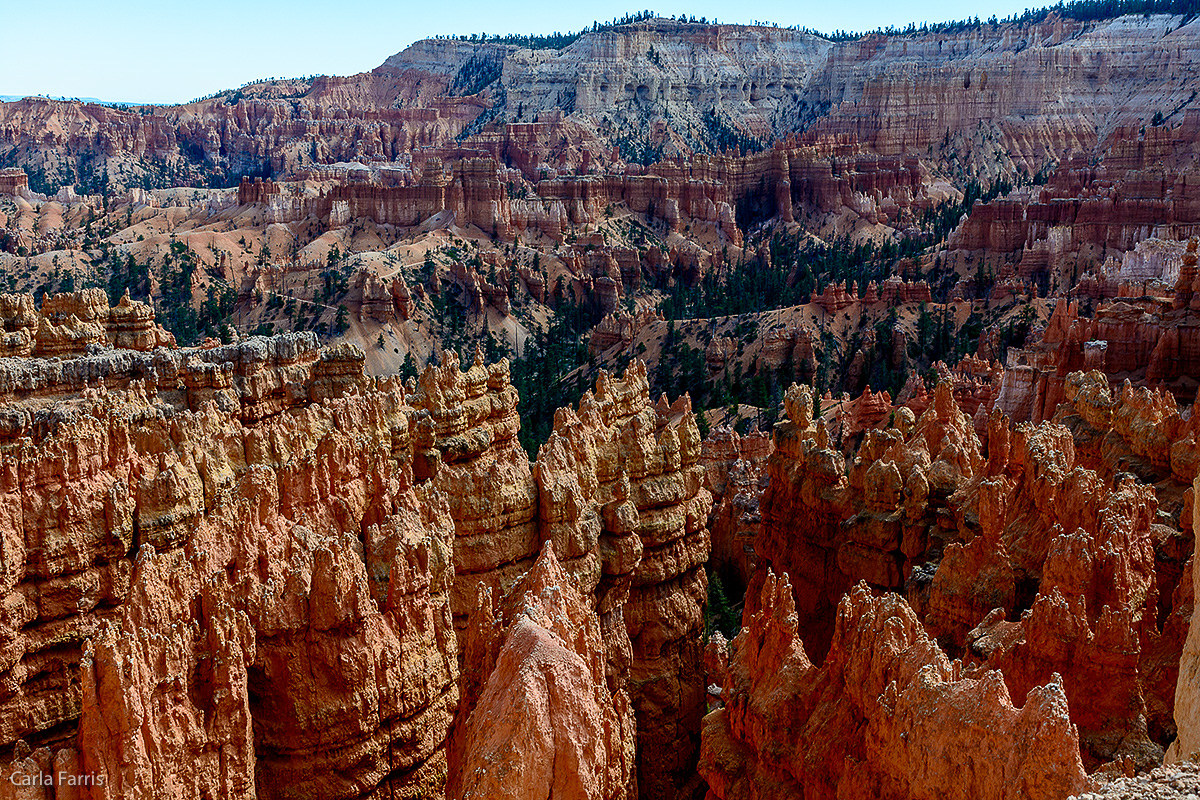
466	426
665	610
653	547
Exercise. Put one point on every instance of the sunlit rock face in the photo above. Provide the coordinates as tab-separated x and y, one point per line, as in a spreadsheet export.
238	571
206	555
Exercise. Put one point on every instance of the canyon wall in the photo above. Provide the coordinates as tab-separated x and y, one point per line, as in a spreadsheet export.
980	98
250	570
205	554
637	464
1087	212
1187	699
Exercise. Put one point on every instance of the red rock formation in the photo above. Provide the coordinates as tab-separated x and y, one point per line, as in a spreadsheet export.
802	510
617	491
887	715
402	299
914	396
270	525
1185	286
1049	524
1086	211
779	346
1128	429
850	418
197	581
545	723
972	544
1026	106
718	353
654	451
622	329
376	299
466	427
67	323
1078	620
256	191
716	665
640	463
877	521
834	298
384	301
1141	339
896	291
1187	702
13	181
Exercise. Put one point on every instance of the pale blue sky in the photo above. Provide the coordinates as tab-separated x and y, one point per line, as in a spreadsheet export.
164	52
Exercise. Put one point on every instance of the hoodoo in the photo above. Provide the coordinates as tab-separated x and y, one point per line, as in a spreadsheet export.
668	410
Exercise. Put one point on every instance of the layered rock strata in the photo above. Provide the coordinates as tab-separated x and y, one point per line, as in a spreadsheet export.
66	324
988	98
637	465
237	571
222	593
464	433
1186	746
1144	339
1082	557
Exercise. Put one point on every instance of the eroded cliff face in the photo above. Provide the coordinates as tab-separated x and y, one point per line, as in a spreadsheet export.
986	99
1089	545
250	570
239	570
639	464
617	493
465	429
209	593
1187	699
829	524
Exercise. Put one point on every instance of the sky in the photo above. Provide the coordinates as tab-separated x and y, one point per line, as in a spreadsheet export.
162	52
